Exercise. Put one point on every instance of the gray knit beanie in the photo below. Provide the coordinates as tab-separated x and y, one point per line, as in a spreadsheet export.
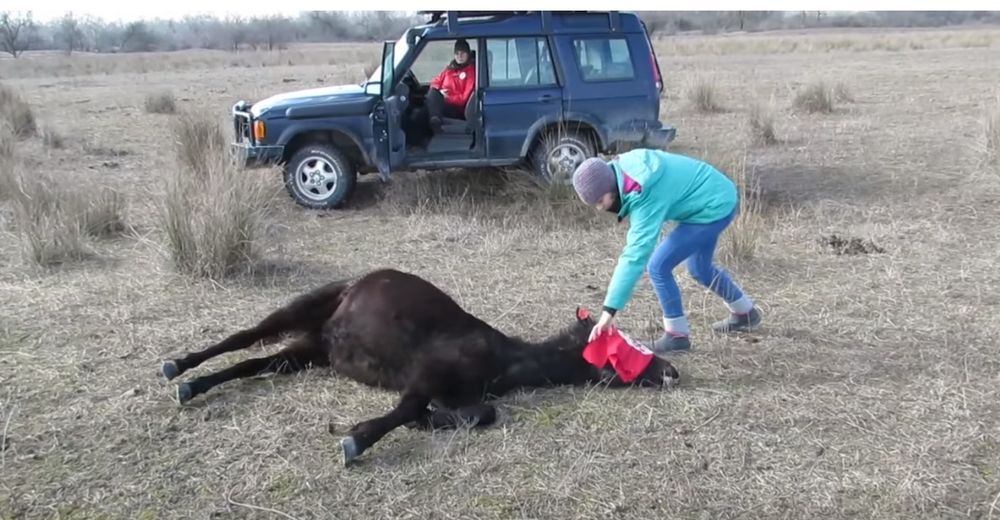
592	179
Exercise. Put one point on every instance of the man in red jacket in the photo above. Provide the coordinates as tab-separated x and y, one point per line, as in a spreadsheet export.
452	88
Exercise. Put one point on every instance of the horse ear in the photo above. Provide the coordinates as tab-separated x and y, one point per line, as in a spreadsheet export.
582	314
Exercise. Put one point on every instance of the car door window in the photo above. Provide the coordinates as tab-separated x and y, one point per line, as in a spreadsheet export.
519	63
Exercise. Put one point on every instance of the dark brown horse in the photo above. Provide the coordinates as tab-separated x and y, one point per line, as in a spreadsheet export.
396	331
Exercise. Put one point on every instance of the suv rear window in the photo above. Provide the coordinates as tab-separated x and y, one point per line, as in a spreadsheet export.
603	59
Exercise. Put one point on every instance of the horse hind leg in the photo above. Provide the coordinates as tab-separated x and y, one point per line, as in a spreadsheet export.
428	384
411	407
267	332
305	353
472	416
423	387
305	314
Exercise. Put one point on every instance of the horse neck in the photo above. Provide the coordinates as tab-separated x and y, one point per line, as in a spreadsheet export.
555	361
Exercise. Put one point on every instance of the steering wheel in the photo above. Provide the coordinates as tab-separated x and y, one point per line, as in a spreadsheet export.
411	80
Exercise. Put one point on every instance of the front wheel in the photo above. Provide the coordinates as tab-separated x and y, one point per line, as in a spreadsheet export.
558	153
319	176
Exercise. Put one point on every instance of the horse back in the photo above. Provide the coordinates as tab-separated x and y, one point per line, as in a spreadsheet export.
390	325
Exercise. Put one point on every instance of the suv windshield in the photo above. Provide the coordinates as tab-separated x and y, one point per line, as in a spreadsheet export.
373	84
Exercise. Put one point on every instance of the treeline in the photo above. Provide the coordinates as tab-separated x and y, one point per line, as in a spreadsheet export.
666	23
19	32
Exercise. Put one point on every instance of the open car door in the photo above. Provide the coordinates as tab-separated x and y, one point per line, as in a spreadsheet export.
387	117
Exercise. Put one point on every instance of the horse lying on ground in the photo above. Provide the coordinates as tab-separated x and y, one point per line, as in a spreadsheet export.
397	331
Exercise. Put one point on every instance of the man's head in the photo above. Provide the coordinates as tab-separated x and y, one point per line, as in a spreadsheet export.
595	183
462	51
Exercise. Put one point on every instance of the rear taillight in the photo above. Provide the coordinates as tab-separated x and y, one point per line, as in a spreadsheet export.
656	70
655	67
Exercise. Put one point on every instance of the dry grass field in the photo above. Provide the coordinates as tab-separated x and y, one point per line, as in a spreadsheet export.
871	245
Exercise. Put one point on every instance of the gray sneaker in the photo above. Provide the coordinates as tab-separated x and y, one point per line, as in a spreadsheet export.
668	343
738	322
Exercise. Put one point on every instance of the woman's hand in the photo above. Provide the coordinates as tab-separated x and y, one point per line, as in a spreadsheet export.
605	324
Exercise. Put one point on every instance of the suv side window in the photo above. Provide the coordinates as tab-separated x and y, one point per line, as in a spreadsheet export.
519	62
603	59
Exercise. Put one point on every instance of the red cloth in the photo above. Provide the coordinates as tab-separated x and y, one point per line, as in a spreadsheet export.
459	84
628	358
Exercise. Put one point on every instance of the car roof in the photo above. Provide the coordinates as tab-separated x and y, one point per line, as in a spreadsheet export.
474	24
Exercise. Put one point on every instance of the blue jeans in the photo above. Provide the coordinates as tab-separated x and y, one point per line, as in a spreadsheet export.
696	243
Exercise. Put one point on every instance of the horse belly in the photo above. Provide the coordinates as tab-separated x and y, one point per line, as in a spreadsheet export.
371	372
375	359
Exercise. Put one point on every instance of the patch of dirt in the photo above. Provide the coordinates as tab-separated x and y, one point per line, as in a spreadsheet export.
850	246
99	150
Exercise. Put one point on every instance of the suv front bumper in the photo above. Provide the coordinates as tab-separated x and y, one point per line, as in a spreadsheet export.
243	146
251	155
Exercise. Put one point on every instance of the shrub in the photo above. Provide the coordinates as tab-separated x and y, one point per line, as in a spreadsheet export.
991	137
52	221
199	144
162	103
17	113
761	122
703	94
214	214
815	98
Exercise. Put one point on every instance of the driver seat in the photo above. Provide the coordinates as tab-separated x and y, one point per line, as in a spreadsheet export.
451	125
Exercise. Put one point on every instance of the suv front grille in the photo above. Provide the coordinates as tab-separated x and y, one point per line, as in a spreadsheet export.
241	123
241	128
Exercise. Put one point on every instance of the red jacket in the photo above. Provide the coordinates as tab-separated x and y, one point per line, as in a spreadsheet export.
458	82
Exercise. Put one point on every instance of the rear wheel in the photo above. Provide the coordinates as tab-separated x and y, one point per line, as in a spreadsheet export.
558	153
319	176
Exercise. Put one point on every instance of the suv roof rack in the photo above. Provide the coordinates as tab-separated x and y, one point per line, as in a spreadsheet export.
453	18
438	15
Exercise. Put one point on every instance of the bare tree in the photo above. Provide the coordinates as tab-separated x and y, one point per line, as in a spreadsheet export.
656	23
333	26
15	32
204	32
277	31
238	31
136	37
381	25
69	34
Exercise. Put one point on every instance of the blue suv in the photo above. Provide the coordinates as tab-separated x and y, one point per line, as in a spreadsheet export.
554	89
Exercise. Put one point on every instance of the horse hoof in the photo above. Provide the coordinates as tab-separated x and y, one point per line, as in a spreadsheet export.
349	449
184	393
169	369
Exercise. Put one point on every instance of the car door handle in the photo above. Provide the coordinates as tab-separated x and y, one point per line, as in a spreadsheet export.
545	97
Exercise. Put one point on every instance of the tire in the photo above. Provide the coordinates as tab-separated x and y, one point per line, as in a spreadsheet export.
558	153
319	176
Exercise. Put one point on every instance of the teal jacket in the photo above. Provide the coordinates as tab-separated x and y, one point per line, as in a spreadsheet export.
657	187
